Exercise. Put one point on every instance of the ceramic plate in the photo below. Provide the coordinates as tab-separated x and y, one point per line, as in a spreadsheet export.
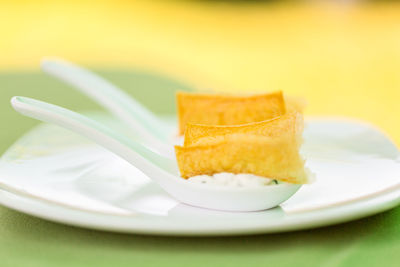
56	175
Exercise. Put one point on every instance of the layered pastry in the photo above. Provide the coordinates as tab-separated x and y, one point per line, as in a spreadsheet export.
259	135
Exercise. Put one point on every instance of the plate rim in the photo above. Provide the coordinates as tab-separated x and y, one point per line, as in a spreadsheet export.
313	219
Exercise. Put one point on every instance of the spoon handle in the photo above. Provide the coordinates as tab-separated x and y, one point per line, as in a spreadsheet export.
122	105
135	153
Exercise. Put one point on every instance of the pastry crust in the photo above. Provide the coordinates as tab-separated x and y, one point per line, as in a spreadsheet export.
276	158
287	124
211	109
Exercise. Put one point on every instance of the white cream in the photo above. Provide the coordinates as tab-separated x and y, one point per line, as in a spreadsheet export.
233	180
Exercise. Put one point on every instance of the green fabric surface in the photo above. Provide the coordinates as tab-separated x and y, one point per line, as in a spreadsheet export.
29	241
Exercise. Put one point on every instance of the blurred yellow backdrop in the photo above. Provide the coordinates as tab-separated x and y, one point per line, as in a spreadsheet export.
344	58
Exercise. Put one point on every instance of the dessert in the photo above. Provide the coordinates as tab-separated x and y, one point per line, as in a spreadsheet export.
230	137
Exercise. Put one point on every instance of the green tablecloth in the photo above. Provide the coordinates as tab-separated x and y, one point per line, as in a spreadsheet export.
28	241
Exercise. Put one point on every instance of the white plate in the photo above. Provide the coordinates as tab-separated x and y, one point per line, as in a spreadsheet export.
56	175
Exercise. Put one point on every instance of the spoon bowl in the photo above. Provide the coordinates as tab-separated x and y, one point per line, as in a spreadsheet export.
161	169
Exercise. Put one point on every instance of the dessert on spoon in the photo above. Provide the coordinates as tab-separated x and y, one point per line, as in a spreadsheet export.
161	169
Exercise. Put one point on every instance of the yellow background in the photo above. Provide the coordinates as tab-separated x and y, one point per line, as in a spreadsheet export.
345	59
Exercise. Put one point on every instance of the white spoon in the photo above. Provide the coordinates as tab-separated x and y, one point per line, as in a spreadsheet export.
160	169
141	120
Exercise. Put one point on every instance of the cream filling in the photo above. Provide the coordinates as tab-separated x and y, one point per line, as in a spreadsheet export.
233	180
